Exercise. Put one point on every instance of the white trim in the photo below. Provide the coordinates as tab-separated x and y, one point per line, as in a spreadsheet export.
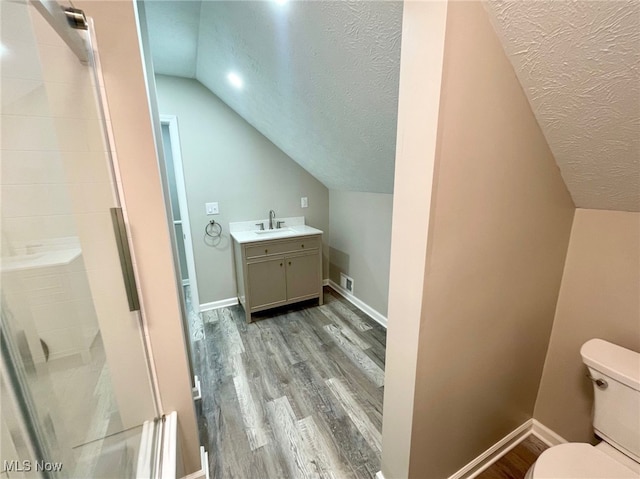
362	306
197	389
532	427
546	435
495	452
223	303
169	446
325	282
176	154
185	282
379	475
203	473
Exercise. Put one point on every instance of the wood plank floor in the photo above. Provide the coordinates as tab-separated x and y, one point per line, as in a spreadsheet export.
296	394
516	463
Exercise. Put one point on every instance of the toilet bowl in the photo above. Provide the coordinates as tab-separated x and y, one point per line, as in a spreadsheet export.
615	373
580	461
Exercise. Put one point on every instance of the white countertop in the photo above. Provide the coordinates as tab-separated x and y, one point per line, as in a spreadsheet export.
287	232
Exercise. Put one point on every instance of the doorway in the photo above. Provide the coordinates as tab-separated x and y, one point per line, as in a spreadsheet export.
179	210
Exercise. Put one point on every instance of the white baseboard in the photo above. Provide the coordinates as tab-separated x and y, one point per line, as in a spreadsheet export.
546	435
504	445
325	282
494	453
223	303
362	306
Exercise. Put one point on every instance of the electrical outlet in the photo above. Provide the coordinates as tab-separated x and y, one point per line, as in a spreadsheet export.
212	208
304	202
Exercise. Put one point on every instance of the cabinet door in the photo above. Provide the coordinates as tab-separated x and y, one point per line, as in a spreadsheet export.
266	281
303	276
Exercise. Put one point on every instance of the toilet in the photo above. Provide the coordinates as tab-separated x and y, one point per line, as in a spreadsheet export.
615	372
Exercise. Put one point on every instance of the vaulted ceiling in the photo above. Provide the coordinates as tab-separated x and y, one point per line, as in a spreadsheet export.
321	80
579	65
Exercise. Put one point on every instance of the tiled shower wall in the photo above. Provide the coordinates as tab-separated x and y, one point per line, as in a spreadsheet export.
47	167
56	191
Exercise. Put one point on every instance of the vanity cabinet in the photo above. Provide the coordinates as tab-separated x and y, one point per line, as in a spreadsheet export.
302	278
266	282
276	272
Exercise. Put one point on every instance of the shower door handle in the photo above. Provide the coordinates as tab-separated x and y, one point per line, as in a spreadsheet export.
120	231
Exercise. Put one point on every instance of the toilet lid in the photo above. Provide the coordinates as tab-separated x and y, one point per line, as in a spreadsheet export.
579	461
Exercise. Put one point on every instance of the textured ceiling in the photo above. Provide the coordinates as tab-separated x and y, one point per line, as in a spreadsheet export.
320	78
173	34
321	81
579	65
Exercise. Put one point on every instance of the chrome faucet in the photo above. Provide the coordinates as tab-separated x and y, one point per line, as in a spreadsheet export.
272	216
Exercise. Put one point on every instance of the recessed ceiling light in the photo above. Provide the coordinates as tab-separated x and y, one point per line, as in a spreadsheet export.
235	80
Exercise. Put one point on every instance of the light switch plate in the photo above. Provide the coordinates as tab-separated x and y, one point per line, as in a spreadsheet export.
212	208
304	202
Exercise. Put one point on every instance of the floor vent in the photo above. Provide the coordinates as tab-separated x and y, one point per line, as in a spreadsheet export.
346	282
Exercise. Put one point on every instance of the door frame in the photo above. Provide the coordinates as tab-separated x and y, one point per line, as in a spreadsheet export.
176	153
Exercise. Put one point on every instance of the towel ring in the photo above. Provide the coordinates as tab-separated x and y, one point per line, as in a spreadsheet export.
213	229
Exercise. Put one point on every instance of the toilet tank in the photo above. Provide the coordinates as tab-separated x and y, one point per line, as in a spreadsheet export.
616	418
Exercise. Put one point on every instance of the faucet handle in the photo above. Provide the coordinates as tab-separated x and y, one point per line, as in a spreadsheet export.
279	224
261	225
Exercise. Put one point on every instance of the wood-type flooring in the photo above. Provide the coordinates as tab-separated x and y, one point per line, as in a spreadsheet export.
295	394
516	463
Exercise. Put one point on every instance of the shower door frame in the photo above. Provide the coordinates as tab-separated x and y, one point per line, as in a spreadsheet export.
12	368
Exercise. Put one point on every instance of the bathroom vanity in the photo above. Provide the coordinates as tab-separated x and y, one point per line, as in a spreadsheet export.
277	267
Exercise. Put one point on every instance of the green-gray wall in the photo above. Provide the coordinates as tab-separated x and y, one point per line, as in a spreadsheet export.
227	160
360	243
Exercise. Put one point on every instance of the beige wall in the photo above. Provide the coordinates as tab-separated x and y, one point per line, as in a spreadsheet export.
227	160
423	27
599	298
117	35
360	243
500	223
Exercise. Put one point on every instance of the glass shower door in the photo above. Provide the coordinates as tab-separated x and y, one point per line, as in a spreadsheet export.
77	389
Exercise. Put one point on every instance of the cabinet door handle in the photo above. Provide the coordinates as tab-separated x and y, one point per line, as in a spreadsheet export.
280	264
266	251
303	246
289	263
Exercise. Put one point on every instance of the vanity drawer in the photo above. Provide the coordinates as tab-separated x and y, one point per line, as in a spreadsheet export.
267	248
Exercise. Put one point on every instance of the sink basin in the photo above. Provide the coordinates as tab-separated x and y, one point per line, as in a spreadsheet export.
273	231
